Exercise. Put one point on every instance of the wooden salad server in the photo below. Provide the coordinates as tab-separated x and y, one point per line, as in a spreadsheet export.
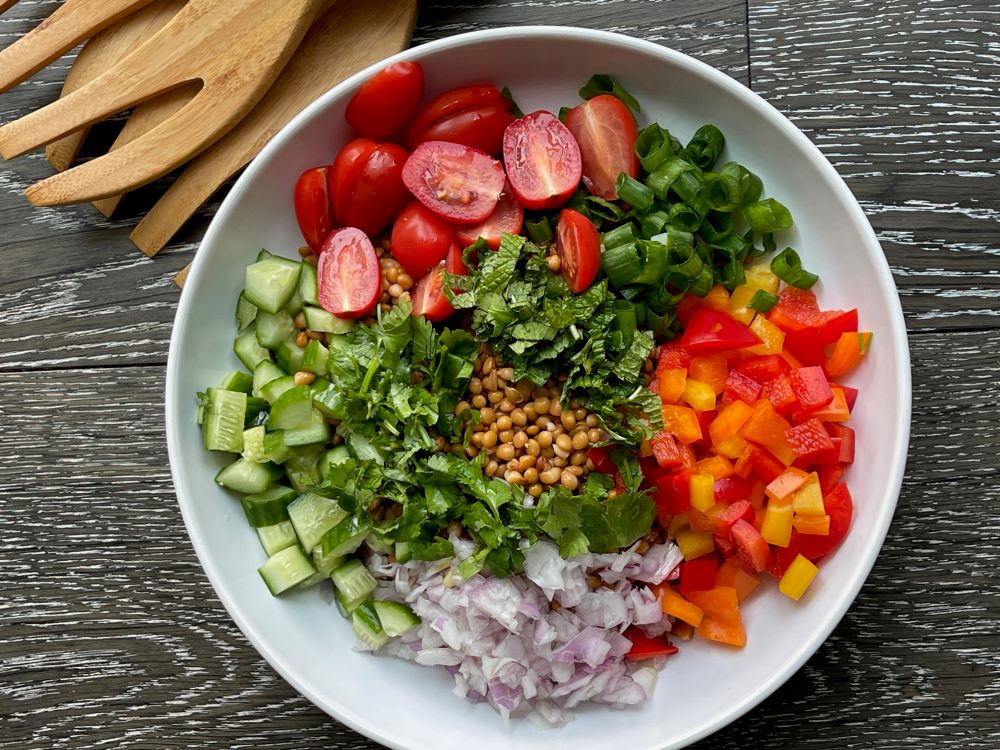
374	30
70	24
98	55
235	50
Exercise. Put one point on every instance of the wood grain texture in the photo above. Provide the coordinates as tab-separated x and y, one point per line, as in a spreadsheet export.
110	635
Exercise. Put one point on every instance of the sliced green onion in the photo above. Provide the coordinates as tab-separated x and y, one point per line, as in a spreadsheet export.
654	257
732	273
623	235
625	320
515	110
605	84
660	324
750	184
653	147
762	301
705	146
633	292
722	192
634	192
664	177
539	230
653	223
621	264
767	216
787	266
768	242
715	226
684	217
702	285
688	185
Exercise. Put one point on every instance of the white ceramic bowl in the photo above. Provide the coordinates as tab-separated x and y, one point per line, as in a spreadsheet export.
705	686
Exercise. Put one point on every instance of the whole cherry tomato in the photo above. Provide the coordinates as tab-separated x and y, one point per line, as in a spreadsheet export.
474	116
385	102
420	239
366	185
312	206
579	248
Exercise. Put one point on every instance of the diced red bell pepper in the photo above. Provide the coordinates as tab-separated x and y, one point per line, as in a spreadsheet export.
850	395
779	392
805	345
698	574
763	367
673	356
644	647
845	436
673	492
811	388
739	387
705	419
830	476
752	552
796	309
665	449
725	547
840	507
601	458
731	489
810	442
712	331
838	322
738	511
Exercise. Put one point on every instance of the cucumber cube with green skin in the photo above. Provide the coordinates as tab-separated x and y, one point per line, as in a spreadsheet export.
354	581
318	319
317	431
277	537
308	288
249	351
271	282
396	618
247	477
314	359
289	356
345	537
246	312
292	410
268	507
286	569
263	374
222	420
312	515
302	466
368	629
275	449
276	388
237	380
273	328
253	444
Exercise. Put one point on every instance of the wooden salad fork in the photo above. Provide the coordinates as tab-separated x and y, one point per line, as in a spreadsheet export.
234	49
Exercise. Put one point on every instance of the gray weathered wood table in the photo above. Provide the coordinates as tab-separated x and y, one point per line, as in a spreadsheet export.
110	635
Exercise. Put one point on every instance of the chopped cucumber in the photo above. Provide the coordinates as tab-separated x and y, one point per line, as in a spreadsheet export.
247	477
253	444
345	537
367	627
295	304
395	618
271	282
263	374
285	569
246	312
289	356
313	515
222	420
308	288
317	431
403	553
263	255
256	412
273	390
318	319
292	410
324	567
354	581
276	537
237	380
275	449
314	358
302	466
250	352
378	545
336	455
268	507
330	401
273	328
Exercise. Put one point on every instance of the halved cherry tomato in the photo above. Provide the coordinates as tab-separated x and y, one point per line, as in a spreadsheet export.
428	296
312	206
579	248
508	217
713	331
456	182
606	131
368	191
348	274
386	101
474	116
542	160
453	262
420	239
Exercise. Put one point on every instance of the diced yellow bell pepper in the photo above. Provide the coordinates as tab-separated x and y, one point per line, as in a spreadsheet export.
731	447
772	338
699	395
680	522
645	449
797	578
719	467
759	276
777	526
694	544
817	526
672	382
702	488
808	501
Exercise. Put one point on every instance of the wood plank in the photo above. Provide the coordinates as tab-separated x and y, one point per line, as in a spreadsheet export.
903	98
95	300
112	634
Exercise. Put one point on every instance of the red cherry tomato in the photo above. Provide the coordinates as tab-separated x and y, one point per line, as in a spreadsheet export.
455	182
606	131
579	249
420	239
428	296
542	159
386	101
346	169
371	196
312	206
453	262
474	116
348	274
507	217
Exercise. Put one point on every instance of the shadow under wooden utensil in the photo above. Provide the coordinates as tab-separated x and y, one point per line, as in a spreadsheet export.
235	49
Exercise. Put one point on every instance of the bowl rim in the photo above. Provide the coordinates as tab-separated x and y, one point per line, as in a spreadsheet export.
900	351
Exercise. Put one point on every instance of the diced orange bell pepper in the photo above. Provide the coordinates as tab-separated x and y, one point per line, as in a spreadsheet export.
757	493
720	603
797	578
721	632
712	369
730	419
717	298
732	447
675	605
847	353
835	411
813	525
718	467
682	423
698	395
706	521
672	381
772	338
702	491
732	575
790	482
767	428
694	544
